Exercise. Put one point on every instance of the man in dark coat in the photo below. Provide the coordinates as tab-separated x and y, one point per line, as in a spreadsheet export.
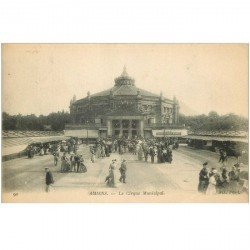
56	157
203	179
77	162
146	153
152	154
169	155
48	179
30	152
159	155
224	181
123	170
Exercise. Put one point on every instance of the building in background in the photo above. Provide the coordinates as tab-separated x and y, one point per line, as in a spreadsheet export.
124	111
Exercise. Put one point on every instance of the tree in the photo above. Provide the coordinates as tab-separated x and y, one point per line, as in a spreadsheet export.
32	122
9	122
213	121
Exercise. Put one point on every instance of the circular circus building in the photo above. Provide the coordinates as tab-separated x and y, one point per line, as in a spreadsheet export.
123	111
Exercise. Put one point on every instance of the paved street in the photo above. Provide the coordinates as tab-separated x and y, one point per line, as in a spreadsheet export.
27	175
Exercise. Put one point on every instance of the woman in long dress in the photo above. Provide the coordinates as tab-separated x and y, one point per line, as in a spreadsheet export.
140	153
64	162
233	181
211	189
103	154
92	151
110	179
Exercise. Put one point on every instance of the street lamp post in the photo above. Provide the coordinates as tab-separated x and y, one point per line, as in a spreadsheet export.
87	132
165	123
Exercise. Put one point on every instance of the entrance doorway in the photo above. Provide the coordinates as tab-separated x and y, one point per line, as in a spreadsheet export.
125	128
103	133
134	133
125	133
117	133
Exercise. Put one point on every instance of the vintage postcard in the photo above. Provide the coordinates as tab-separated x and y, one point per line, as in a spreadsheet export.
125	123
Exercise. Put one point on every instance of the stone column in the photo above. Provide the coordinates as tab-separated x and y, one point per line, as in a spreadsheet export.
142	127
109	132
129	129
120	135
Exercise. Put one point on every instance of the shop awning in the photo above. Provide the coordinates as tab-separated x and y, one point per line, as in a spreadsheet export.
216	138
82	133
169	132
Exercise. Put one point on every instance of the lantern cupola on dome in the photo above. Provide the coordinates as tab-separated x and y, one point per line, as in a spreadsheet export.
124	79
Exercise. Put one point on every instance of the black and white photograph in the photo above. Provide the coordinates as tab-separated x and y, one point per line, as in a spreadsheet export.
125	123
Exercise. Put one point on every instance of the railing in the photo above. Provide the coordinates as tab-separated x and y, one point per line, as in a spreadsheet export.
220	133
16	134
164	126
84	126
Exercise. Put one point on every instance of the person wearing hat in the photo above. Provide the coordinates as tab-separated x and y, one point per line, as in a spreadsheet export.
48	179
169	154
139	152
211	189
203	179
56	157
234	179
223	156
110	179
211	172
152	154
238	167
72	163
83	167
64	161
123	170
223	180
92	151
240	180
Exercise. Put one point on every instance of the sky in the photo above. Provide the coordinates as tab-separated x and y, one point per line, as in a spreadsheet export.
42	78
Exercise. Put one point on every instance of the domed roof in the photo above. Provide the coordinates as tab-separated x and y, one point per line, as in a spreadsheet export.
124	86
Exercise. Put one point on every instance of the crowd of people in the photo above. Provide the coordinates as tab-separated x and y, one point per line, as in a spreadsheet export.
73	163
155	150
39	149
64	151
51	147
158	150
221	182
71	160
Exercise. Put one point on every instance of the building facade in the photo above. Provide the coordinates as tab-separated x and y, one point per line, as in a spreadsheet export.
123	110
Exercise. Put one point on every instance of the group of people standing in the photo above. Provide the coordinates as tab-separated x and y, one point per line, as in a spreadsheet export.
159	151
73	163
211	180
69	145
102	148
40	149
220	182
